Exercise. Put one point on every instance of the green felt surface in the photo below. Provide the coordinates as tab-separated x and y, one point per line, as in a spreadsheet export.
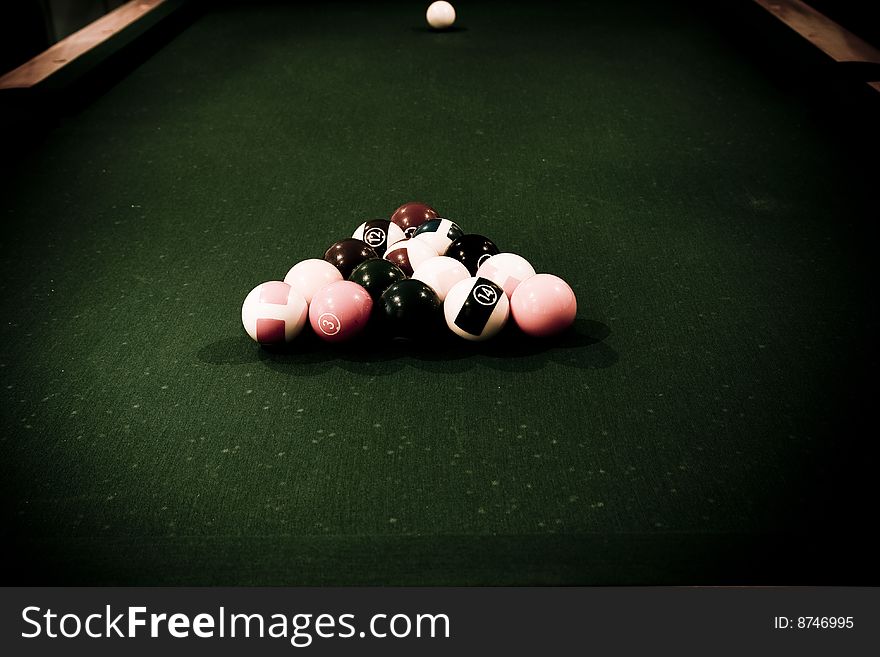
711	220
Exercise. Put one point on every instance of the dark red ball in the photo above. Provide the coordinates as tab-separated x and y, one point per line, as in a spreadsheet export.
410	216
347	254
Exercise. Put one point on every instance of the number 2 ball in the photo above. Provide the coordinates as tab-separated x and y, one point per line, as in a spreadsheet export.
476	309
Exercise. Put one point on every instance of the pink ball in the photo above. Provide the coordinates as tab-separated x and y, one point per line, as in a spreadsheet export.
543	305
309	276
340	311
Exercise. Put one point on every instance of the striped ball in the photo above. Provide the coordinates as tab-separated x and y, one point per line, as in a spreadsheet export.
379	234
274	313
439	233
476	309
409	254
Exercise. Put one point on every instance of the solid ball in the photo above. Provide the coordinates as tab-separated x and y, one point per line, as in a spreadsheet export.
507	270
409	254
309	276
273	313
440	15
439	233
410	309
340	311
347	254
376	276
410	216
379	234
476	309
472	251
543	305
440	274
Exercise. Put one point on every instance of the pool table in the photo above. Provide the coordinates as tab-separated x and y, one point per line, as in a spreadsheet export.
701	177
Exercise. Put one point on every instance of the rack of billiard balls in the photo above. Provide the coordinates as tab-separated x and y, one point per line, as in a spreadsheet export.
411	274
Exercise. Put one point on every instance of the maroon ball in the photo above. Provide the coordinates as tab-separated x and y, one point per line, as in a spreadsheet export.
410	216
347	254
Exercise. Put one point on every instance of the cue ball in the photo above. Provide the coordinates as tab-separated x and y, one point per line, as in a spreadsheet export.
410	216
409	254
273	313
439	233
309	276
440	15
379	234
476	309
507	270
440	274
543	305
347	254
340	311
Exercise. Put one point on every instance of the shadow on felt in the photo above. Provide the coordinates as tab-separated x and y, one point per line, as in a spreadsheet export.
582	346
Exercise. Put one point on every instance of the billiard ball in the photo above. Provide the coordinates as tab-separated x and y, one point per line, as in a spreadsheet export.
507	270
440	15
410	216
543	305
273	313
409	254
472	251
440	274
309	276
347	254
376	276
340	311
476	309
410	309
439	233
379	234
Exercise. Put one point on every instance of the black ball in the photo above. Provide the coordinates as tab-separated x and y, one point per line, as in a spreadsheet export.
376	276
347	254
411	309
472	251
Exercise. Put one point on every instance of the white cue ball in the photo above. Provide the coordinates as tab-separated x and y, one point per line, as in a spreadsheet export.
440	274
441	15
506	270
309	276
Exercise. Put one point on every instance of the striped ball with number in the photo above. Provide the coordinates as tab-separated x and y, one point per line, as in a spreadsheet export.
439	233
476	309
379	234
